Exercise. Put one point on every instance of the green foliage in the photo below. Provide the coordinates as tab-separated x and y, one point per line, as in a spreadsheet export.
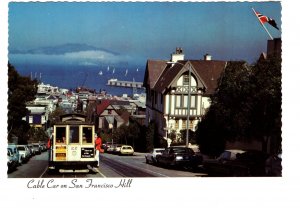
152	137
246	106
106	137
20	90
37	134
55	115
172	135
131	134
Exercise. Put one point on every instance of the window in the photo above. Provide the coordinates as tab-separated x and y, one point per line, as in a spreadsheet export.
43	118
74	134
185	80
178	101
87	133
184	124
185	101
193	101
30	119
60	135
176	124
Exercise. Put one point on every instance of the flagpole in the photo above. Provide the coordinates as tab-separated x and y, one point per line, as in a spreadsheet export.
262	23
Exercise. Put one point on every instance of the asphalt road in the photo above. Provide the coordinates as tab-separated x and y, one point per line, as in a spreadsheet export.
111	166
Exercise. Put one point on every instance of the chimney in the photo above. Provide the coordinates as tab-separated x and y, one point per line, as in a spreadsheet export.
177	55
207	57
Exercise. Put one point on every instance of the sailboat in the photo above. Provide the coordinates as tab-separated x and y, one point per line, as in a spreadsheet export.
126	72
113	71
100	73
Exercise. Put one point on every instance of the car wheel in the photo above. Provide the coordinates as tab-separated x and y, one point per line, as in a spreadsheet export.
158	162
153	160
147	161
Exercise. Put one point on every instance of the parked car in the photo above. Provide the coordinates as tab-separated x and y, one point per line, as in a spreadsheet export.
105	146
37	148
111	148
31	150
42	146
117	149
151	157
179	157
24	152
15	152
273	165
126	150
12	162
237	163
230	154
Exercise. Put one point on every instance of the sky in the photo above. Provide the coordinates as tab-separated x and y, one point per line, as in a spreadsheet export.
137	31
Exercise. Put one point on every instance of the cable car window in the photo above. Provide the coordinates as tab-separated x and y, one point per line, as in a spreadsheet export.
74	134
60	134
87	133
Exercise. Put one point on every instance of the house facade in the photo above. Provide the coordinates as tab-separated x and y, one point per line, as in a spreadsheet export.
37	115
173	102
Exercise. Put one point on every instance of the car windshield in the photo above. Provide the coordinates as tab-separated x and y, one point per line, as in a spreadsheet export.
21	148
159	151
225	155
179	150
126	147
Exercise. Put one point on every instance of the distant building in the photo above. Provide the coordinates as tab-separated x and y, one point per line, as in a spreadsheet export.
167	87
273	49
37	115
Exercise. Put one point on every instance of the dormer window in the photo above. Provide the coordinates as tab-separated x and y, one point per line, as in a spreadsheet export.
185	80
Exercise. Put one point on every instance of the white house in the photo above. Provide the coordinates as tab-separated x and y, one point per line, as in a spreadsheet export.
167	87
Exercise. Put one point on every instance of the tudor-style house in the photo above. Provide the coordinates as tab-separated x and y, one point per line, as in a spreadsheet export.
167	87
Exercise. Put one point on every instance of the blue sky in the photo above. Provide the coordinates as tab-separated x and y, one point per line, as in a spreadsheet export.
141	31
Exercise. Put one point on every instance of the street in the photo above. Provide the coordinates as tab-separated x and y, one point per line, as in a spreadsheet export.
111	166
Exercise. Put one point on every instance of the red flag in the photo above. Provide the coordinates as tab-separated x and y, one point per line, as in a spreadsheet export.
263	19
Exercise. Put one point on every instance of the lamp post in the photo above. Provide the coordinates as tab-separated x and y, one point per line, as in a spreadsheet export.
188	101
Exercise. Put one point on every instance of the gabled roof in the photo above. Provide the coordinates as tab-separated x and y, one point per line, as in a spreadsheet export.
104	104
51	97
263	56
208	71
153	71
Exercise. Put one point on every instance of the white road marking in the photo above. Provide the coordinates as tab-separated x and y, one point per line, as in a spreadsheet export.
44	172
98	171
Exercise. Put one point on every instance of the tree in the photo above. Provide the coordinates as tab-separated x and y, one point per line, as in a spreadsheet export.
37	134
150	136
246	106
20	90
134	132
55	115
267	100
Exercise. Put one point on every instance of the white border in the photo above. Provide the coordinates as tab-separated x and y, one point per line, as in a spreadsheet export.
227	195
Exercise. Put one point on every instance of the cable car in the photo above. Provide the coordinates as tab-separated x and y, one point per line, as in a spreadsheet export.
73	144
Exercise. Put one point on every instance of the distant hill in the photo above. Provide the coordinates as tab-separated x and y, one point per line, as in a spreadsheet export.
62	49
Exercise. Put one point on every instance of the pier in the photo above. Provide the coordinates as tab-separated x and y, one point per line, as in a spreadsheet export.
128	84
